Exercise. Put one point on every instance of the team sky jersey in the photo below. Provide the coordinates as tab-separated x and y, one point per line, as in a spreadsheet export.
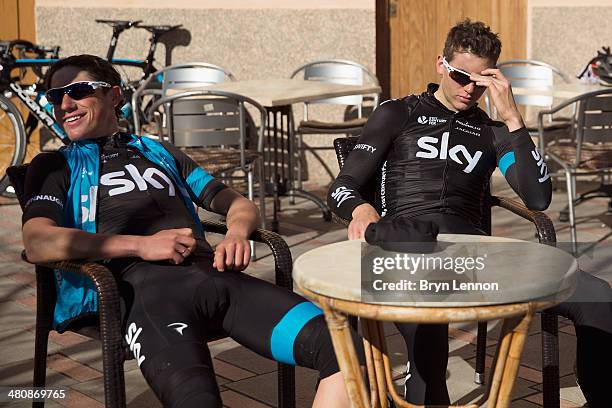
431	160
135	196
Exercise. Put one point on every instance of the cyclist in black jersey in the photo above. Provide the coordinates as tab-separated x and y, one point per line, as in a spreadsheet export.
129	201
437	151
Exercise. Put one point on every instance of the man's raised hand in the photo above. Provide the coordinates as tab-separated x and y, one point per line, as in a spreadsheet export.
501	95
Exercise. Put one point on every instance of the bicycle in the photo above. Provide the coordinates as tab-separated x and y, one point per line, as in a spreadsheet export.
169	35
14	132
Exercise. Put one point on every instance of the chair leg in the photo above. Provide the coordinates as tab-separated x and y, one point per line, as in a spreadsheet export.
251	196
481	348
286	386
262	191
571	193
550	360
40	360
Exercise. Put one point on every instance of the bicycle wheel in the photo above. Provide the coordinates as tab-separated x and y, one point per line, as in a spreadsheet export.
12	142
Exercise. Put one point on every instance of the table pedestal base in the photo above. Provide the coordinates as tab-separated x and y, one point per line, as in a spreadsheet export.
499	389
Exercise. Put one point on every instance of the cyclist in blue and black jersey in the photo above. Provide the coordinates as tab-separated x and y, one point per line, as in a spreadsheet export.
129	201
437	152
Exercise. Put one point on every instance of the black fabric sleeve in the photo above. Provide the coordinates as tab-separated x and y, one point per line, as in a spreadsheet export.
523	166
367	157
202	186
46	187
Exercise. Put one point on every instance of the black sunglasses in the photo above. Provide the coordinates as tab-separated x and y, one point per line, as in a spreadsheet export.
457	75
75	90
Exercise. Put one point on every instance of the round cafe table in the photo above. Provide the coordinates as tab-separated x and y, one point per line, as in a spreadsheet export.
532	277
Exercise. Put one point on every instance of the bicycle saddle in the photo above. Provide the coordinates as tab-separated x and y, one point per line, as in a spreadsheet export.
120	24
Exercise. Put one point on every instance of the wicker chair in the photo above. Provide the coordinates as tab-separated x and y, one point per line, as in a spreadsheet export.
546	235
107	328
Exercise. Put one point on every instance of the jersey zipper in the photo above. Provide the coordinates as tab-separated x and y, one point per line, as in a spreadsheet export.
445	172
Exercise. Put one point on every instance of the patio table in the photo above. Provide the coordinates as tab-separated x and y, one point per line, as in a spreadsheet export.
531	277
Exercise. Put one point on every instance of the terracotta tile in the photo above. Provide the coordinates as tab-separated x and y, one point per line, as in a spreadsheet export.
25	278
569	329
530	374
464	335
75	399
229	371
68	338
232	399
568	404
71	368
536	398
28	301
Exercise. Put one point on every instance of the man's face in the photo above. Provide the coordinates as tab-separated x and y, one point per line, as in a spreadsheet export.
88	118
461	97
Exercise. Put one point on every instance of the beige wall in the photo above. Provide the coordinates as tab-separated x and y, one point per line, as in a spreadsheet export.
268	41
568	33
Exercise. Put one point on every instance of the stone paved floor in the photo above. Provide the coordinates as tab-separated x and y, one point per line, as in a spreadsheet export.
247	380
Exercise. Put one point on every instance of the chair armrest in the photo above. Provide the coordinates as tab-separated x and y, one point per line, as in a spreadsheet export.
342	221
544	226
108	294
283	263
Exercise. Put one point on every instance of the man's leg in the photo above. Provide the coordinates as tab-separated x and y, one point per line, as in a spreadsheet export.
590	309
272	321
166	336
427	348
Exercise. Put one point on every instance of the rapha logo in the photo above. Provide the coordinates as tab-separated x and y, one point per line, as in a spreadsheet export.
432	120
179	327
342	194
142	181
543	169
131	336
429	143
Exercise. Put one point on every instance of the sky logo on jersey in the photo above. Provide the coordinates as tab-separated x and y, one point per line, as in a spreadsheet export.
131	336
125	185
543	169
86	214
432	120
428	144
342	194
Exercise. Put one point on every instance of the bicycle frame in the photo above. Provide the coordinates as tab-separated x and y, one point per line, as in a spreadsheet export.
40	108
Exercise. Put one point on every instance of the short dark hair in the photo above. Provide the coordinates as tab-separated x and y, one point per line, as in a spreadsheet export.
99	69
473	37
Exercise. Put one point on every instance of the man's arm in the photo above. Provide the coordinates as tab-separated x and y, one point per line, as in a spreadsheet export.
45	241
518	159
46	184
242	218
362	164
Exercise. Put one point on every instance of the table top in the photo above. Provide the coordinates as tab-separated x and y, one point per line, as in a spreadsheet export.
283	92
563	90
524	271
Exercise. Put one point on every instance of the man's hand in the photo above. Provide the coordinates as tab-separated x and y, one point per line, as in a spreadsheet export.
500	93
173	245
233	253
363	215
